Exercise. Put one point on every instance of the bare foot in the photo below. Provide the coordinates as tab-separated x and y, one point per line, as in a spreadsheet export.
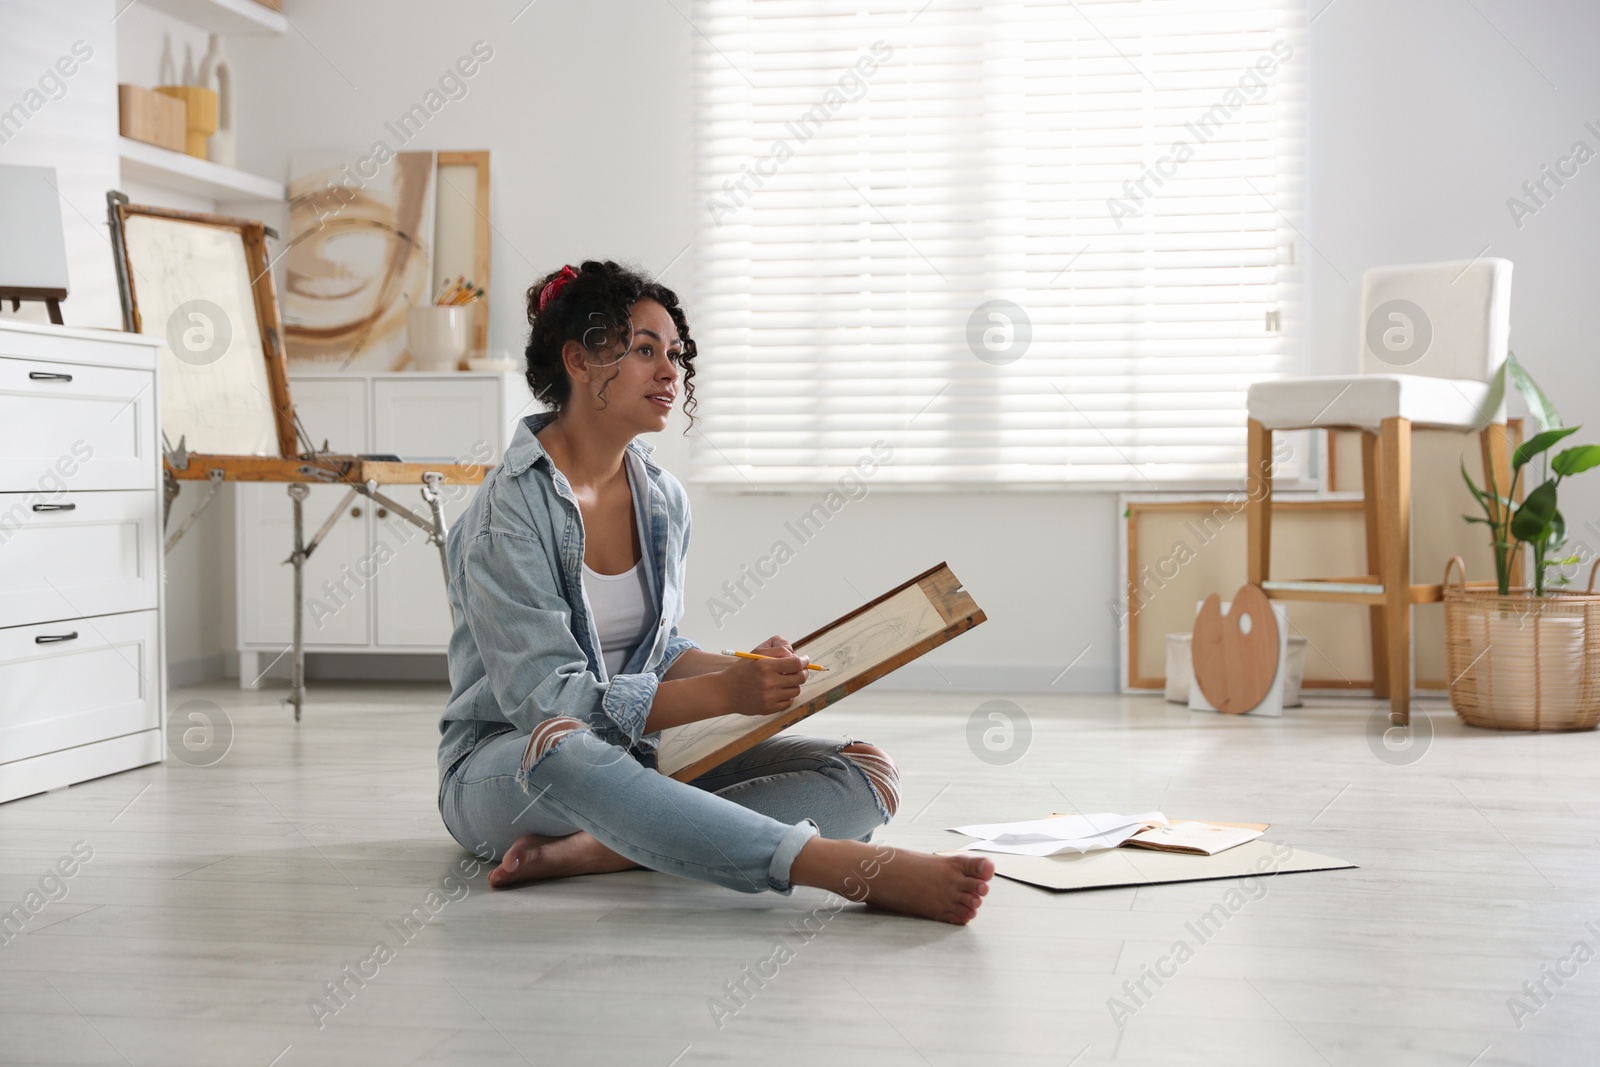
534	858
947	888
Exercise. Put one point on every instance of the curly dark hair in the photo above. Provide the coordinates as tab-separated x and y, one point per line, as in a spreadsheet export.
593	309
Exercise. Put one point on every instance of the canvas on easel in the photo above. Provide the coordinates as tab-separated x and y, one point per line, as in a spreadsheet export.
33	254
858	648
198	281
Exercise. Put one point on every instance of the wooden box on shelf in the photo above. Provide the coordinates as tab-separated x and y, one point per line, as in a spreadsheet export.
200	115
152	117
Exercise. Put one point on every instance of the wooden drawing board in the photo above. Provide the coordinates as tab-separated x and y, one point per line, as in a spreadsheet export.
1120	868
858	648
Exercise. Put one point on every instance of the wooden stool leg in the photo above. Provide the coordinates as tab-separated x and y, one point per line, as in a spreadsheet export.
1371	493
1394	520
1258	506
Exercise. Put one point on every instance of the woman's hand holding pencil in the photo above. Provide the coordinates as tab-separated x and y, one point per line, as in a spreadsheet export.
752	655
762	684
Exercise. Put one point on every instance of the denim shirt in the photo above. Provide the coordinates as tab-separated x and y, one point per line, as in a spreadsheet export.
524	648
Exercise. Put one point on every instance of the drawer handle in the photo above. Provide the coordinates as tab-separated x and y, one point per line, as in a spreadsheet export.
55	507
48	376
53	639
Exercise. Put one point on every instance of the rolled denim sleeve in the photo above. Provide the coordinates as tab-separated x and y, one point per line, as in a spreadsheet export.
533	663
676	646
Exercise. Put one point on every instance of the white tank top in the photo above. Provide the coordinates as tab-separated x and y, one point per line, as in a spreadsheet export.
623	612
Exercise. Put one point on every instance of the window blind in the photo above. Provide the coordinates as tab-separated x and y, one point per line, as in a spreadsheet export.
1011	243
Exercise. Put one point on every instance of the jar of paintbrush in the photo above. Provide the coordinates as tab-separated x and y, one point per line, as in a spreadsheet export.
437	332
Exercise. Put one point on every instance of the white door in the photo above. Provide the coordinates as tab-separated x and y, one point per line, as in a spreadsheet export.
338	575
409	601
333	412
449	419
421	419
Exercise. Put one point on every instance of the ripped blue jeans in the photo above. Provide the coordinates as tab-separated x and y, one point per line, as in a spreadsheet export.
739	825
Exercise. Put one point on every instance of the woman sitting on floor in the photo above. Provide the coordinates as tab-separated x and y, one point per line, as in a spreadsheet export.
566	583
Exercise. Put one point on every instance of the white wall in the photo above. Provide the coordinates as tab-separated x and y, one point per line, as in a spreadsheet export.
1425	118
587	110
73	127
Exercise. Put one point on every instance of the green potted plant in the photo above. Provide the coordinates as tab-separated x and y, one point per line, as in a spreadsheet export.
1526	658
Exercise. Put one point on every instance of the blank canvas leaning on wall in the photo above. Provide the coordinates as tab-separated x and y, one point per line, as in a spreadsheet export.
1179	551
462	234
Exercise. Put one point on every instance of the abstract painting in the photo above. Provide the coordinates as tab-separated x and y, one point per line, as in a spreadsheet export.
360	253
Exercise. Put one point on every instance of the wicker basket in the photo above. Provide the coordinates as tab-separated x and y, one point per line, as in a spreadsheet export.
1522	662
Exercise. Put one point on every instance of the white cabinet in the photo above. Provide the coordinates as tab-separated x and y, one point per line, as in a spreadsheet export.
82	674
374	584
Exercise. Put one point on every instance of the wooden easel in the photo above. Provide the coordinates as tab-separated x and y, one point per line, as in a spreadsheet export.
52	299
297	462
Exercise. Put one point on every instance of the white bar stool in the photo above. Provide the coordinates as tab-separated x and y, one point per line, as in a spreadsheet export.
1433	336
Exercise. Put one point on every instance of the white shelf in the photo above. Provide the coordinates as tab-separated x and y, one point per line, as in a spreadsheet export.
196	177
229	17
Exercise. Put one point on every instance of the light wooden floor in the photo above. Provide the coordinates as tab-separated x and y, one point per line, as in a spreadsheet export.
220	899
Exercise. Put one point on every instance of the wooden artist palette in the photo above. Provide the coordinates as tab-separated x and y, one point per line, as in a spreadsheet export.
1236	655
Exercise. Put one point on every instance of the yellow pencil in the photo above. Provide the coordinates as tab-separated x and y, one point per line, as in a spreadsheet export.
752	655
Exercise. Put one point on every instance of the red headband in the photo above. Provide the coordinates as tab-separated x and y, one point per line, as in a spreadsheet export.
554	286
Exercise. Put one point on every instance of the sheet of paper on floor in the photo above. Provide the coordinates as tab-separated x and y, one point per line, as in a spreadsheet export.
1064	833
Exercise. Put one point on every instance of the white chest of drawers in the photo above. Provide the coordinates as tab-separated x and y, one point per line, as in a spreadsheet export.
82	674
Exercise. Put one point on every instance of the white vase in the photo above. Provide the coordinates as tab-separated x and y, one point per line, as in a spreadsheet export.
167	71
436	336
216	74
